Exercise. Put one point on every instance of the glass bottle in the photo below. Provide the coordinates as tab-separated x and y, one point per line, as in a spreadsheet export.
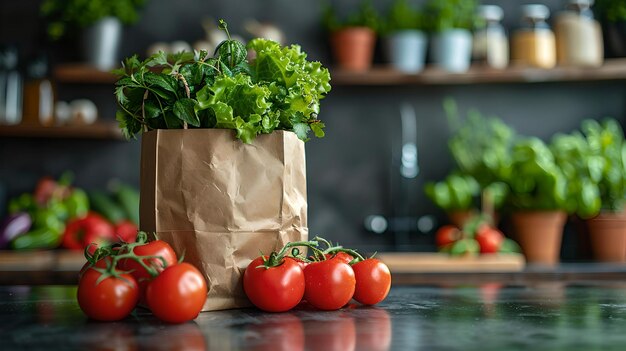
578	36
10	87
491	45
534	43
38	94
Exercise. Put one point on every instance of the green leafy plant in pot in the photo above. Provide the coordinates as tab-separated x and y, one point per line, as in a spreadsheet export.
406	40
458	195
537	199
612	15
353	39
595	164
450	22
100	22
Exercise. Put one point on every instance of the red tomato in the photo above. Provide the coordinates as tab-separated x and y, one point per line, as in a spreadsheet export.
329	284
111	299
343	256
447	235
102	263
274	289
177	294
91	229
489	239
300	262
126	231
373	281
153	248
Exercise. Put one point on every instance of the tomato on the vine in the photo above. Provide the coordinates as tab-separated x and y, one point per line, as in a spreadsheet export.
177	294
274	288
446	235
342	256
329	284
111	299
153	248
489	239
373	281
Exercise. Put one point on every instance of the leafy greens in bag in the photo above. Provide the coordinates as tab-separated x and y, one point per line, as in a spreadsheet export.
278	90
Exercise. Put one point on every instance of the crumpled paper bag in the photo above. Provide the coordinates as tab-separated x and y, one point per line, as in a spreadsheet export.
221	202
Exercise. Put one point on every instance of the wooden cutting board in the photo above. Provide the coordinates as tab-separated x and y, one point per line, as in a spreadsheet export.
432	262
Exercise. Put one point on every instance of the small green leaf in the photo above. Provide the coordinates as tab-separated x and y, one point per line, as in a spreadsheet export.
152	109
301	130
172	121
318	129
184	109
509	246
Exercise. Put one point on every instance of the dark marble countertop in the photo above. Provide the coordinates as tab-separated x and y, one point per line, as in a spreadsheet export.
493	316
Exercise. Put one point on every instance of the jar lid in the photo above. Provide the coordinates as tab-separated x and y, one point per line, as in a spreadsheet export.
582	3
535	11
490	12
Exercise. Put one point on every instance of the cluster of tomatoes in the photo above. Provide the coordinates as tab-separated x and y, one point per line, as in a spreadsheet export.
327	280
117	278
478	235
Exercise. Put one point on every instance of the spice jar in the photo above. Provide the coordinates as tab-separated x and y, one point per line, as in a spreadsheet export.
578	36
534	43
38	94
491	45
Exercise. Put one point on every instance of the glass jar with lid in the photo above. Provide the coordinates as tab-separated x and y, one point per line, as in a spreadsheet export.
491	45
534	43
578	36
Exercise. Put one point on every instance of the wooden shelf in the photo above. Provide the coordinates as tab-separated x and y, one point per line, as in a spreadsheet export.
614	69
81	73
100	130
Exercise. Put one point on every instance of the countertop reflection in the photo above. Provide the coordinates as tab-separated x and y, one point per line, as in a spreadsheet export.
543	316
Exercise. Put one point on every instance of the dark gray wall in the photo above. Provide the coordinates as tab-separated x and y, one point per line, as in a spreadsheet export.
353	172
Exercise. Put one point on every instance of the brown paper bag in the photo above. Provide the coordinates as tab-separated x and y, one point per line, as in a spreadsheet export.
221	202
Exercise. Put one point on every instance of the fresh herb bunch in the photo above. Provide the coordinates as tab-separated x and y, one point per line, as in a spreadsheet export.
83	13
403	16
611	10
594	163
450	14
279	89
365	16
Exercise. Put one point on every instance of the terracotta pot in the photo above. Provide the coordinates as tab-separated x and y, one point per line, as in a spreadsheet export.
353	48
607	232
539	233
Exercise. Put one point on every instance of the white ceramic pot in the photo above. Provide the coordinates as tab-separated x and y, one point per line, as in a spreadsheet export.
101	43
407	50
452	50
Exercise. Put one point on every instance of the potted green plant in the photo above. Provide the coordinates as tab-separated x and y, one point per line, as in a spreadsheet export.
406	40
455	195
594	162
458	195
352	39
612	14
537	199
481	147
100	21
450	22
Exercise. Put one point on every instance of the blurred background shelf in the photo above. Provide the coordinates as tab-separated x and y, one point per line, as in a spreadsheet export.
613	69
81	73
100	130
